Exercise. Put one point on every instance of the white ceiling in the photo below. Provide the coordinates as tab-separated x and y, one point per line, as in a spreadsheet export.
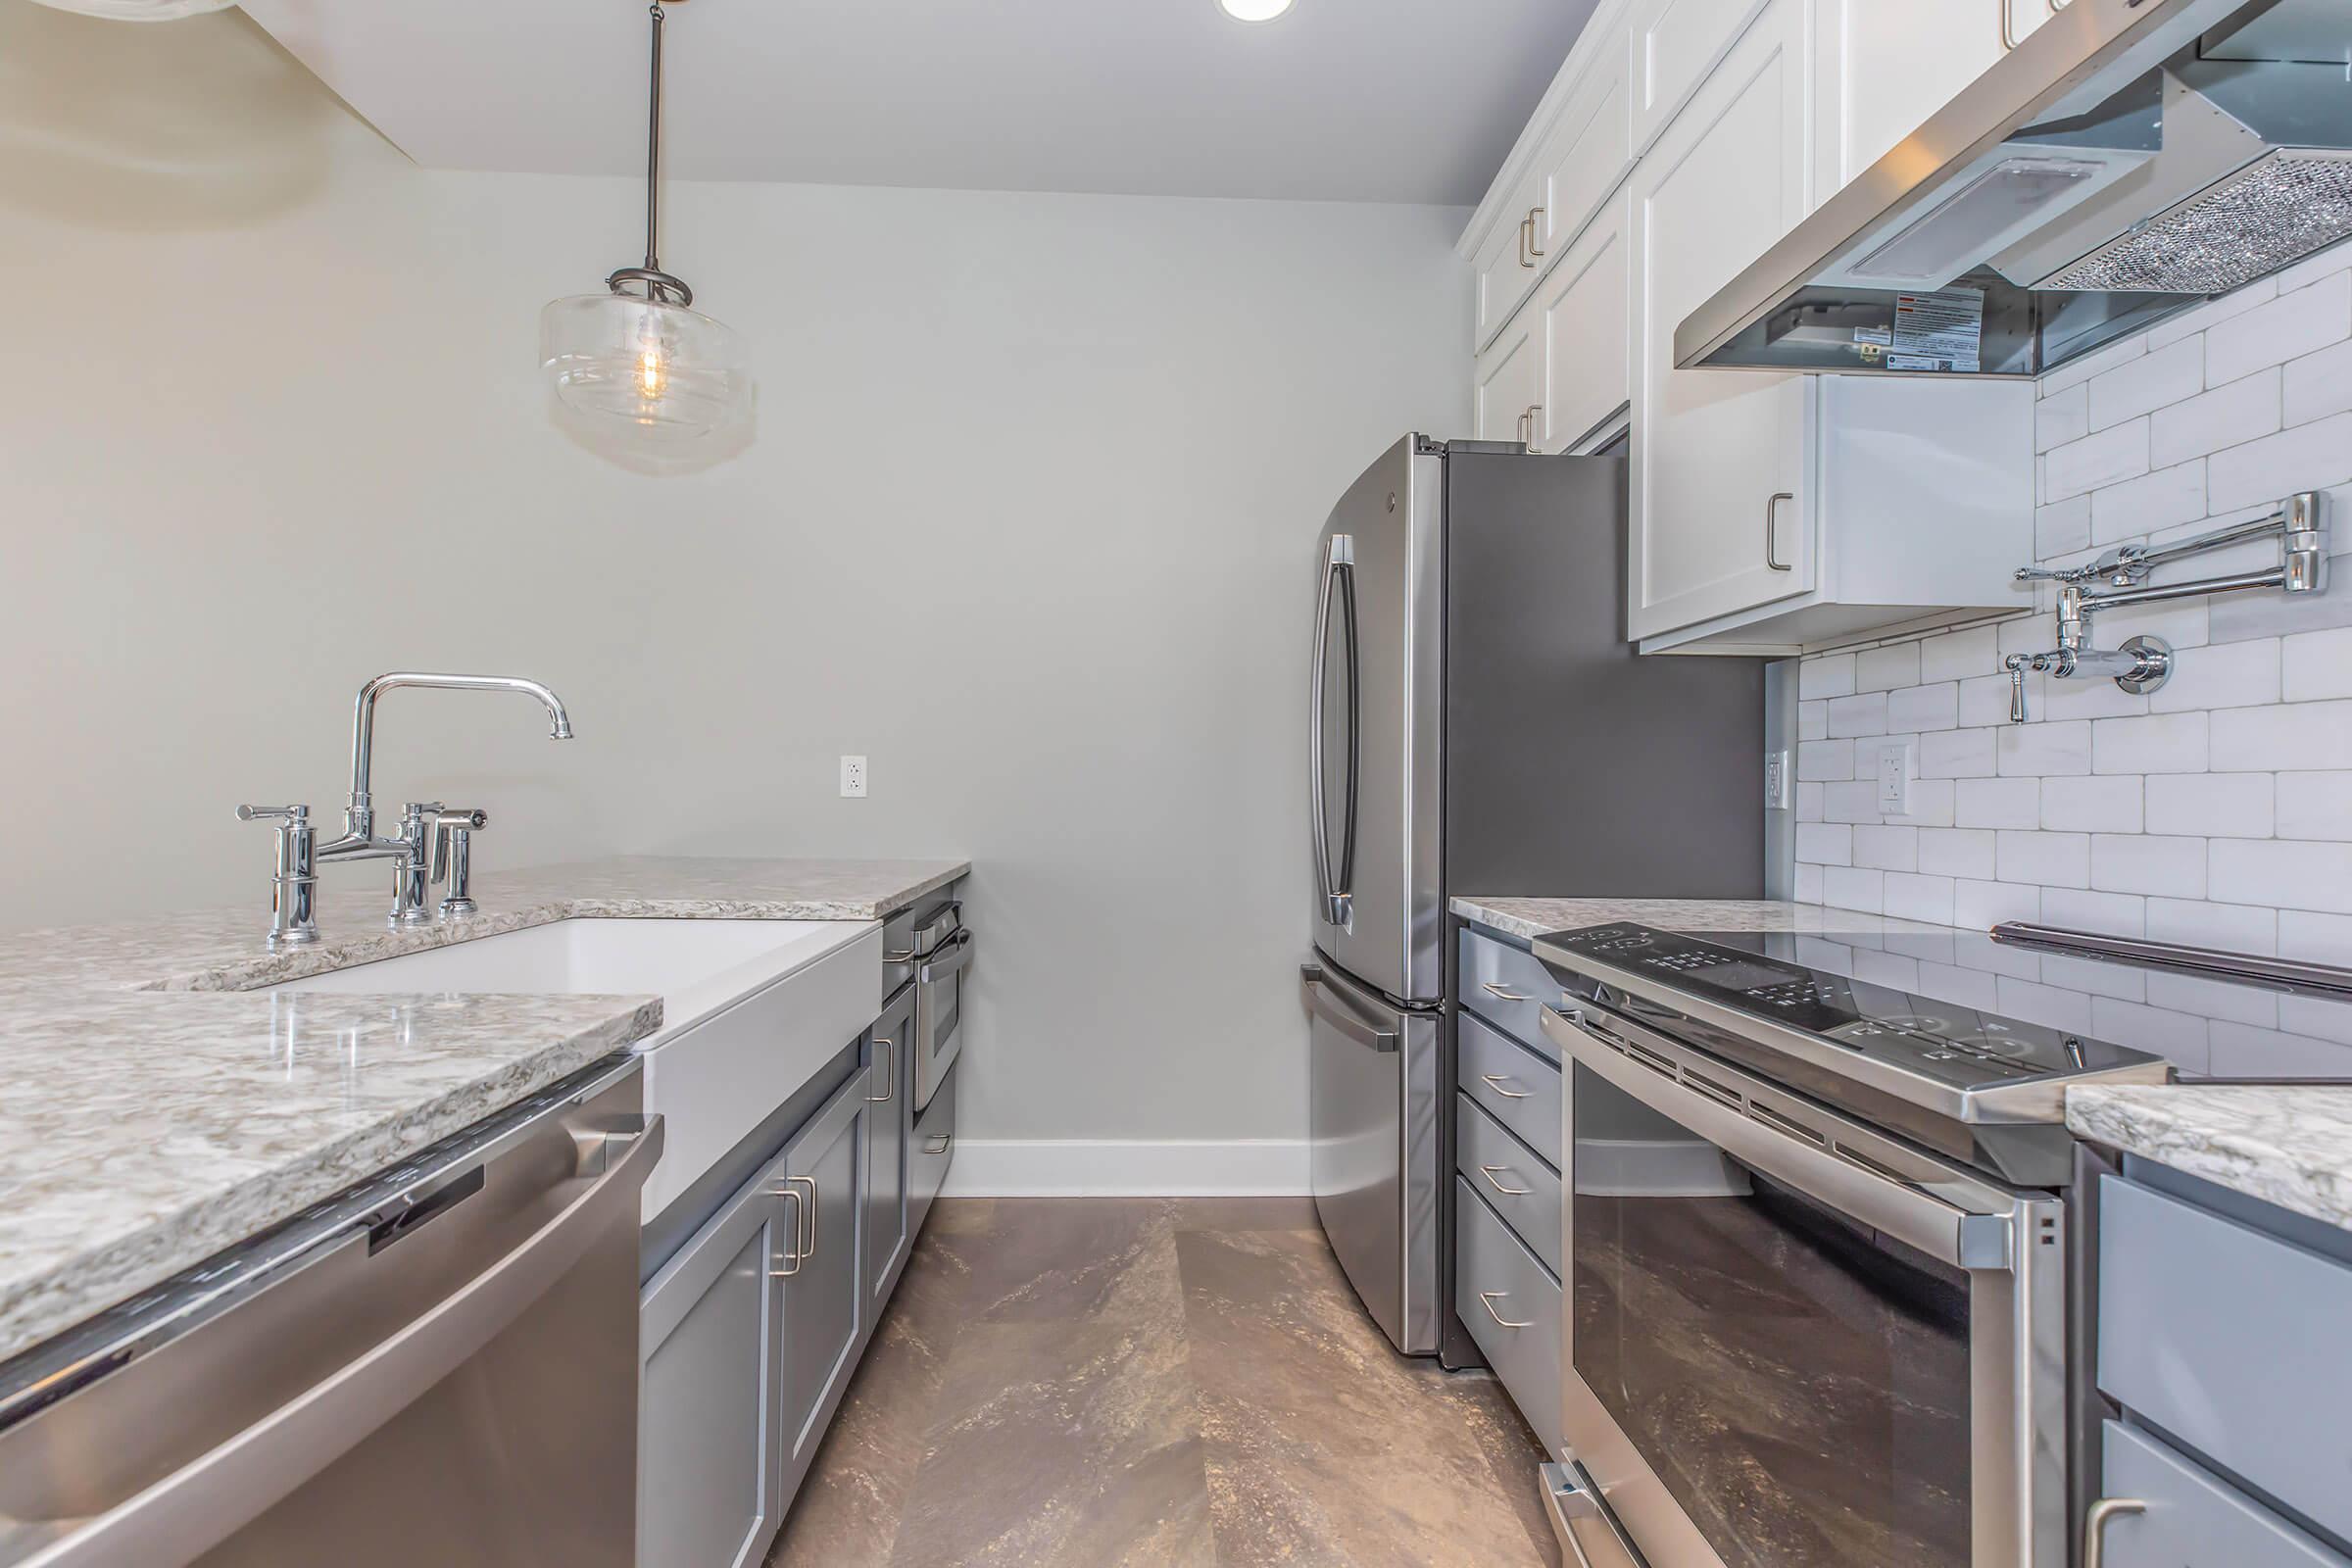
1342	100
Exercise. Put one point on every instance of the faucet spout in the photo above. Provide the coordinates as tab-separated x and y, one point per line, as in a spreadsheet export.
358	817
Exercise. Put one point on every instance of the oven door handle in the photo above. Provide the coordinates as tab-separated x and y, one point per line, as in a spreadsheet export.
947	959
1949	1235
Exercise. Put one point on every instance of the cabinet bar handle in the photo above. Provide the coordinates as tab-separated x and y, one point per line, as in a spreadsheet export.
2008	30
793	1257
1486	1299
1500	993
1496	1082
1487	1171
807	1214
1534	215
1772	504
2094	1526
1526	238
886	1055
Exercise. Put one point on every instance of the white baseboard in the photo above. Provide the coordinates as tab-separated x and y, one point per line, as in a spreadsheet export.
1012	1167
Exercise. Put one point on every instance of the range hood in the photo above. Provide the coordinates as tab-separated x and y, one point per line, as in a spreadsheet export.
2129	159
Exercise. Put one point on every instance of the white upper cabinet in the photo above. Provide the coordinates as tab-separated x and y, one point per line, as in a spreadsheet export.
1509	263
1675	43
1888	64
1587	149
1584	326
1719	496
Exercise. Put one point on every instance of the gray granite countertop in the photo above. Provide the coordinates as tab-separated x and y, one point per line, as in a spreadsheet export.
2289	1145
1530	918
154	1108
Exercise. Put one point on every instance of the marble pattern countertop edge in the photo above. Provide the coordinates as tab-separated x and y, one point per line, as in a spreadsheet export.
157	1106
1530	917
2289	1146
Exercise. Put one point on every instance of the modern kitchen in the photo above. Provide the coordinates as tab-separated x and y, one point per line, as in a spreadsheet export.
1201	783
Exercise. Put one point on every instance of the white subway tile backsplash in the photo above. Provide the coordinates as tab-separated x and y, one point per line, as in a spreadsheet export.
1957	753
2047	859
2314	665
2045	1005
1879	669
2091	805
1916	708
1865	715
1956	852
2282	737
2210	804
2223	675
2170	375
2116	980
2284	874
2213	999
2180	1039
1825	844
2162	743
2147	863
2240	1052
1887	849
1997	803
2315	806
1981	906
2104	458
2291	326
2216	810
2226	417
2036	750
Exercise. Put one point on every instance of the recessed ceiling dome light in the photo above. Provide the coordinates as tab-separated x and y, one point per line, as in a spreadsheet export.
1255	10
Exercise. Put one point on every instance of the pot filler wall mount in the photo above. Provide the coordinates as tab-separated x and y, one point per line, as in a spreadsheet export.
2128	160
2144	664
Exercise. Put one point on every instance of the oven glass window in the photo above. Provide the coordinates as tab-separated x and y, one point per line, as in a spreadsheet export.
1796	1381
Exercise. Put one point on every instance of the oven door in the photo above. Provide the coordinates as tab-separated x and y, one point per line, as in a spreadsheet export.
939	1012
1795	1342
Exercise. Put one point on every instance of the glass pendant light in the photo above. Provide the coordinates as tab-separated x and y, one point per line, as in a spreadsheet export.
634	364
139	10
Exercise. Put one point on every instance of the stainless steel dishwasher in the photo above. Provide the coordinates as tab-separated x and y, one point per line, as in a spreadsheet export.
437	1366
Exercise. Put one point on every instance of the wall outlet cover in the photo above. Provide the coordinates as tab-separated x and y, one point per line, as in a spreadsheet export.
1778	782
853	778
1895	766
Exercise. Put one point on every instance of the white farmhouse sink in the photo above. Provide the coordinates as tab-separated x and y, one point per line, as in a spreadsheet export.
750	1009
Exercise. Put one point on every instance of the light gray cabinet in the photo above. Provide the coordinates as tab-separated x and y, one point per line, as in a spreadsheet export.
820	1291
2189	1518
931	1152
889	1125
707	1483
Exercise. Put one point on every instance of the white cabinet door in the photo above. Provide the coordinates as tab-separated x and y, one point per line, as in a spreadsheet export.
1721	503
1509	262
1510	383
1893	64
1587	150
2027	14
1585	314
1673	45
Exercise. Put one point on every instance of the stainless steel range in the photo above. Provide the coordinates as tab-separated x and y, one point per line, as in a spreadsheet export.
1817	1246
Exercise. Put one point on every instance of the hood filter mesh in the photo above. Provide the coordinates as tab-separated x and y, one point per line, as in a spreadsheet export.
2277	209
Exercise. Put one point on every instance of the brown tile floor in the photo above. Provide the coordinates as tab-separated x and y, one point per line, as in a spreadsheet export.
1087	1382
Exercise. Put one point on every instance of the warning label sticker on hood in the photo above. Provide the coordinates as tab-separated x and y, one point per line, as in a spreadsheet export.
1939	331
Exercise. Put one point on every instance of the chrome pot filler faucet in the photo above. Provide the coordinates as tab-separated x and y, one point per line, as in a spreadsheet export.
435	843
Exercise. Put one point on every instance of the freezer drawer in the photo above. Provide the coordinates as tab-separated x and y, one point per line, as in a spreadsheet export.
1510	987
1512	1308
1373	1108
1506	1173
1513	1084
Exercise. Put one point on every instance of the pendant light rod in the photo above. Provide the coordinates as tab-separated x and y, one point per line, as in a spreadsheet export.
653	153
649	281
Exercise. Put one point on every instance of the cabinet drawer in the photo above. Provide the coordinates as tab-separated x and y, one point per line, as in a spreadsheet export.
2191	1516
2231	1340
1512	1309
1507	987
1513	1084
1506	1173
931	1152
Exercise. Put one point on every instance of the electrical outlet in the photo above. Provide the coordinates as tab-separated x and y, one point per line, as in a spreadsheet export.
1779	787
853	778
1896	767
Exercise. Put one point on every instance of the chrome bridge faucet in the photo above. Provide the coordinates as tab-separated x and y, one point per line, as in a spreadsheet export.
435	843
2144	664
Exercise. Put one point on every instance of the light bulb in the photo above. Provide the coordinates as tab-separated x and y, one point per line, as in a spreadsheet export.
1254	10
652	371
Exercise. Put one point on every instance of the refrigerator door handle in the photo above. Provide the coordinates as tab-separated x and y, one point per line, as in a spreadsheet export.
1335	886
1333	1010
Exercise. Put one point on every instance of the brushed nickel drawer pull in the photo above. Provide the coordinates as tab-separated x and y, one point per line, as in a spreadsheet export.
793	1257
1534	223
1486	1299
886	1056
1771	507
809	1215
1501	993
2094	1526
1495	1081
1487	1171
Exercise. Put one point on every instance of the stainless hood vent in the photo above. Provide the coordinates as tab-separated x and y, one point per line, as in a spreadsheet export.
2128	160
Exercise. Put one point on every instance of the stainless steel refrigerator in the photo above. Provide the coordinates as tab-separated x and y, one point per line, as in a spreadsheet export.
1479	724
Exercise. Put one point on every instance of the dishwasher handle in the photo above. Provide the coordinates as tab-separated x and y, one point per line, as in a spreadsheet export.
220	1491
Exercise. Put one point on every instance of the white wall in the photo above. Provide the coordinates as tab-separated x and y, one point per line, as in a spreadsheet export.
2216	810
1027	522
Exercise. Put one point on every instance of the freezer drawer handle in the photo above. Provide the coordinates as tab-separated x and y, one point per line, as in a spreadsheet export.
220	1491
1487	1299
1487	1171
1495	1081
1335	1011
1501	993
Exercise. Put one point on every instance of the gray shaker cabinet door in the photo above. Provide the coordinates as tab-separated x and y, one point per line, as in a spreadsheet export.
822	1293
888	1126
706	1493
